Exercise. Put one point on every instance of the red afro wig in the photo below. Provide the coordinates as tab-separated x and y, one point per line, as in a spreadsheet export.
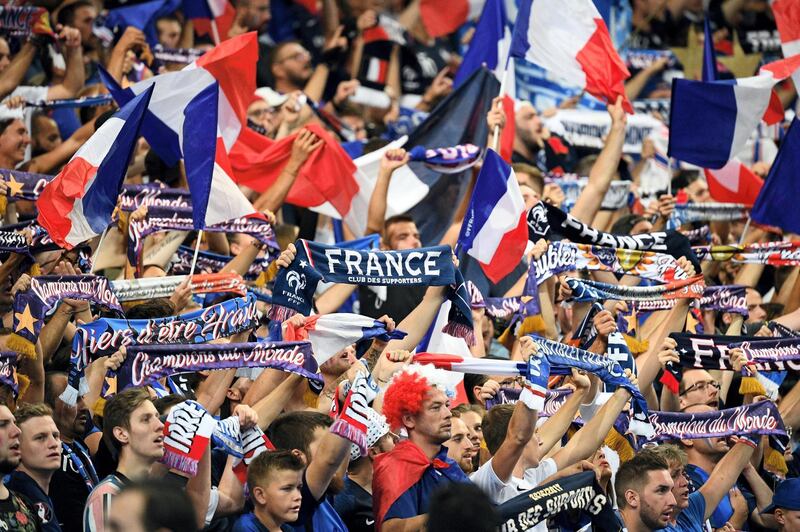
404	396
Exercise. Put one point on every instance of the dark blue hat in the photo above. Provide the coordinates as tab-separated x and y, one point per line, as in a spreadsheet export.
787	496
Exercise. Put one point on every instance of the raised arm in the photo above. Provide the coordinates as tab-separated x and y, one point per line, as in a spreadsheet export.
391	161
75	72
725	474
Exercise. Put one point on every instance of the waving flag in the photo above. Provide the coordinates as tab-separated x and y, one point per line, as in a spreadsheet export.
490	46
734	183
494	230
231	64
213	17
776	204
443	17
330	333
710	72
198	113
570	39
710	122
77	204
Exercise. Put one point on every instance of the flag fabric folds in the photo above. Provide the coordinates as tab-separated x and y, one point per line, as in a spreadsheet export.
776	204
570	39
494	230
710	122
734	183
78	203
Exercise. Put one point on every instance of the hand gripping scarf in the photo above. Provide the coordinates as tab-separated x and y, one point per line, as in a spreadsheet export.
134	196
243	444
187	433
8	371
504	307
562	359
45	292
566	256
588	290
760	418
616	197
433	266
769	253
173	219
579	492
146	364
157	287
544	219
447	160
773	358
105	336
726	298
697	351
25	21
699	236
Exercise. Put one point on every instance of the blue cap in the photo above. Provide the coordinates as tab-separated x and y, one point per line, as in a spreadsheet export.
787	496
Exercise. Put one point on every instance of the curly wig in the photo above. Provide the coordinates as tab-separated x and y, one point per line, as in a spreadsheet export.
407	391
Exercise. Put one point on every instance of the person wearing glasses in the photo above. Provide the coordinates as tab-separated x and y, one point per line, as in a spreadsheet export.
698	387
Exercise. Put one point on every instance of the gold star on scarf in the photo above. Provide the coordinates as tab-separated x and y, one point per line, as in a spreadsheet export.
691	57
632	323
740	64
691	323
25	320
14	186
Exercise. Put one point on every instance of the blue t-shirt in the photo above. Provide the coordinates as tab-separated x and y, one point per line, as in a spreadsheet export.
250	523
22	483
316	514
724	510
415	500
692	519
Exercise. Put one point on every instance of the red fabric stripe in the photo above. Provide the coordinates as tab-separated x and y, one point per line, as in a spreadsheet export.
774	112
58	199
668	380
377	33
327	175
233	65
509	253
443	17
507	136
605	71
787	18
749	187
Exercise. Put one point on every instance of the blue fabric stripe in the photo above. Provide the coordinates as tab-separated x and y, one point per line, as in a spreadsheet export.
702	122
776	203
483	46
519	38
199	149
101	198
490	186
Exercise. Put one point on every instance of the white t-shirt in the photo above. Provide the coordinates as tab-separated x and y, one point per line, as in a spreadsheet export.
31	93
499	492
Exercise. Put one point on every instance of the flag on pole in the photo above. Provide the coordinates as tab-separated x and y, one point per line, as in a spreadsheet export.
494	230
710	72
78	203
570	39
710	122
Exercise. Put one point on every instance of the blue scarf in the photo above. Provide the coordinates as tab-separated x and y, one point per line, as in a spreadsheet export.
105	336
563	358
432	266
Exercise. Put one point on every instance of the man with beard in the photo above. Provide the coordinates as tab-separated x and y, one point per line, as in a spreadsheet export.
77	476
133	430
535	145
459	446
16	513
692	509
40	449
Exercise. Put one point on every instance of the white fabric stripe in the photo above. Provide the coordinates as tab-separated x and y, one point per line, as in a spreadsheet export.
225	200
80	230
475	8
752	98
728	175
373	69
504	217
334	332
557	31
94	150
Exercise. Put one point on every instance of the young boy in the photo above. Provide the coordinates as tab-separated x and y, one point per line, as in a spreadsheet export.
275	480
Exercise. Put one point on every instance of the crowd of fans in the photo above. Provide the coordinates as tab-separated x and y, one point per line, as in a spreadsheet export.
435	460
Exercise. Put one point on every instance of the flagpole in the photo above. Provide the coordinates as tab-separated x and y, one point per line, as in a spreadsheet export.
744	231
503	81
215	32
196	252
97	250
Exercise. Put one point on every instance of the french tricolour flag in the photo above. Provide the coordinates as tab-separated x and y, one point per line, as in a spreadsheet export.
570	39
78	203
490	46
330	333
711	121
494	230
213	17
198	113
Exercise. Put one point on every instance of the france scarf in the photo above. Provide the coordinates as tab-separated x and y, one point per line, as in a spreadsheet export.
432	266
